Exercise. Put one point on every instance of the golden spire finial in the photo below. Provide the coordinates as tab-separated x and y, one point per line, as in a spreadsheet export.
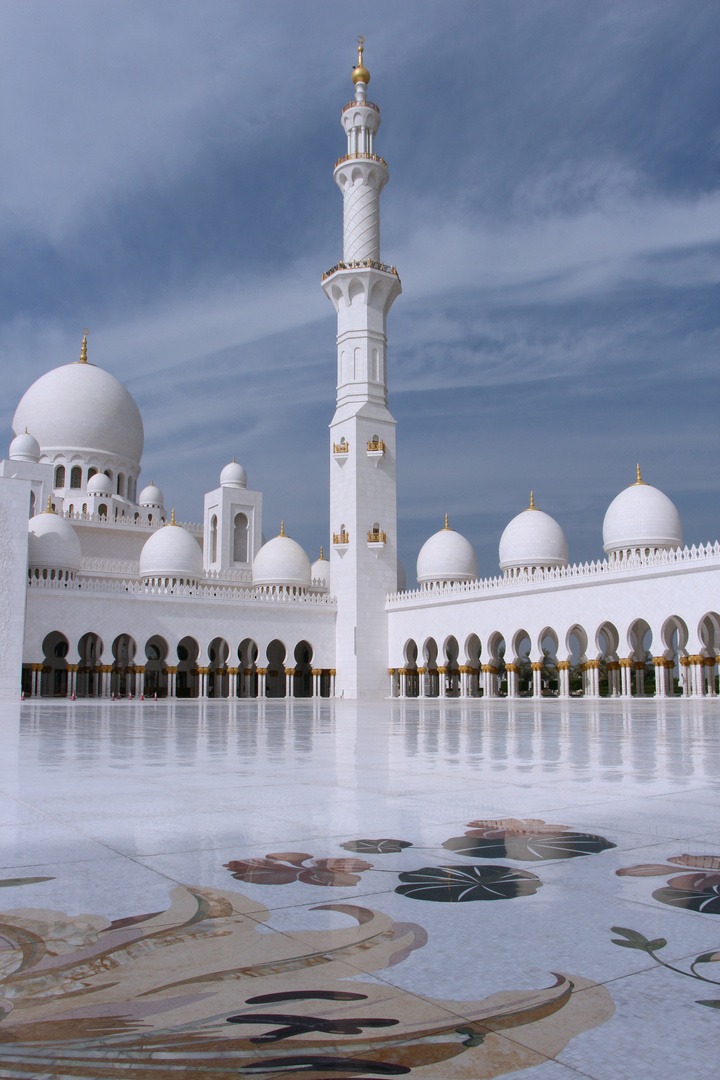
639	479
322	553
49	508
234	462
282	528
172	520
83	347
532	502
447	523
360	73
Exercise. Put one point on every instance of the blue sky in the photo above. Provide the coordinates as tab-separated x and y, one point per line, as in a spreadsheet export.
553	211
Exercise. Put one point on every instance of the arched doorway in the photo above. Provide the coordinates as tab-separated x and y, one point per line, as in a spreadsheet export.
156	679
54	673
122	678
247	655
88	683
218	679
303	680
275	682
186	681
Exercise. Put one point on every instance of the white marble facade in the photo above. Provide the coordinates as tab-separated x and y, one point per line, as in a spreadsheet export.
120	599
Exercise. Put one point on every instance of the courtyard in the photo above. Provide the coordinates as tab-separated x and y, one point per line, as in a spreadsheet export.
325	888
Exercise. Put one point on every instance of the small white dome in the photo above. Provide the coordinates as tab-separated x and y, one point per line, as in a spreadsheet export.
534	540
100	484
151	496
233	475
641	517
24	448
282	562
80	407
320	571
447	556
52	543
171	552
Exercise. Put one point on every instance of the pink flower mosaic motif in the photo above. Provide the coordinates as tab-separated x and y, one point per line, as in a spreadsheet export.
280	868
695	891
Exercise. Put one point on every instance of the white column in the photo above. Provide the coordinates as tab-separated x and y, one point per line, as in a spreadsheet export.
421	682
563	668
262	676
537	679
660	679
512	680
332	682
442	681
403	682
232	682
289	679
625	678
685	682
316	674
391	675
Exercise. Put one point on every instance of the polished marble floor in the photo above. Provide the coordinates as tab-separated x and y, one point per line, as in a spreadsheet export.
339	890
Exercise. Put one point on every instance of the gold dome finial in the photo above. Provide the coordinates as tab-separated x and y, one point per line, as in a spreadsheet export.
360	73
447	523
532	502
639	479
83	348
234	461
49	508
322	553
172	520
282	528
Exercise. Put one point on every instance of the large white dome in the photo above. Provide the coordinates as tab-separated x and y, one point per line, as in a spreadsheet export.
446	557
81	407
282	562
171	552
640	518
533	540
52	543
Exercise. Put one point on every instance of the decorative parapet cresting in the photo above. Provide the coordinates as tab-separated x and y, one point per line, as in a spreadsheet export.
127	586
676	557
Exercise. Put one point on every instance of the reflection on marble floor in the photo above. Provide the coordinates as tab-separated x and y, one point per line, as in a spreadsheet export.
359	890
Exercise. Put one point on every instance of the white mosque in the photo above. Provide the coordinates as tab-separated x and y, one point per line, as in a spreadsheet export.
103	593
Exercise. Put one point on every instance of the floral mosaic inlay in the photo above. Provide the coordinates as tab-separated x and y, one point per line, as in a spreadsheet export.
199	989
698	890
287	866
459	884
528	840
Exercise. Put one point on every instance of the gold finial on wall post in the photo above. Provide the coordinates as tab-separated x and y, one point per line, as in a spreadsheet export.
49	507
172	517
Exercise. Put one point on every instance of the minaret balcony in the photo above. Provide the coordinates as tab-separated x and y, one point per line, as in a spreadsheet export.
341	451
376	538
361	104
361	264
361	157
375	449
341	539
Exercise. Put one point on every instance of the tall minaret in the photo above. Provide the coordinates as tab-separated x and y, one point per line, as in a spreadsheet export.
363	510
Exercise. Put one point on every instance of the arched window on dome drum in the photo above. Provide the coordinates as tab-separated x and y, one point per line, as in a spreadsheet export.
213	538
120	484
76	477
92	471
32	504
240	539
60	476
102	510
